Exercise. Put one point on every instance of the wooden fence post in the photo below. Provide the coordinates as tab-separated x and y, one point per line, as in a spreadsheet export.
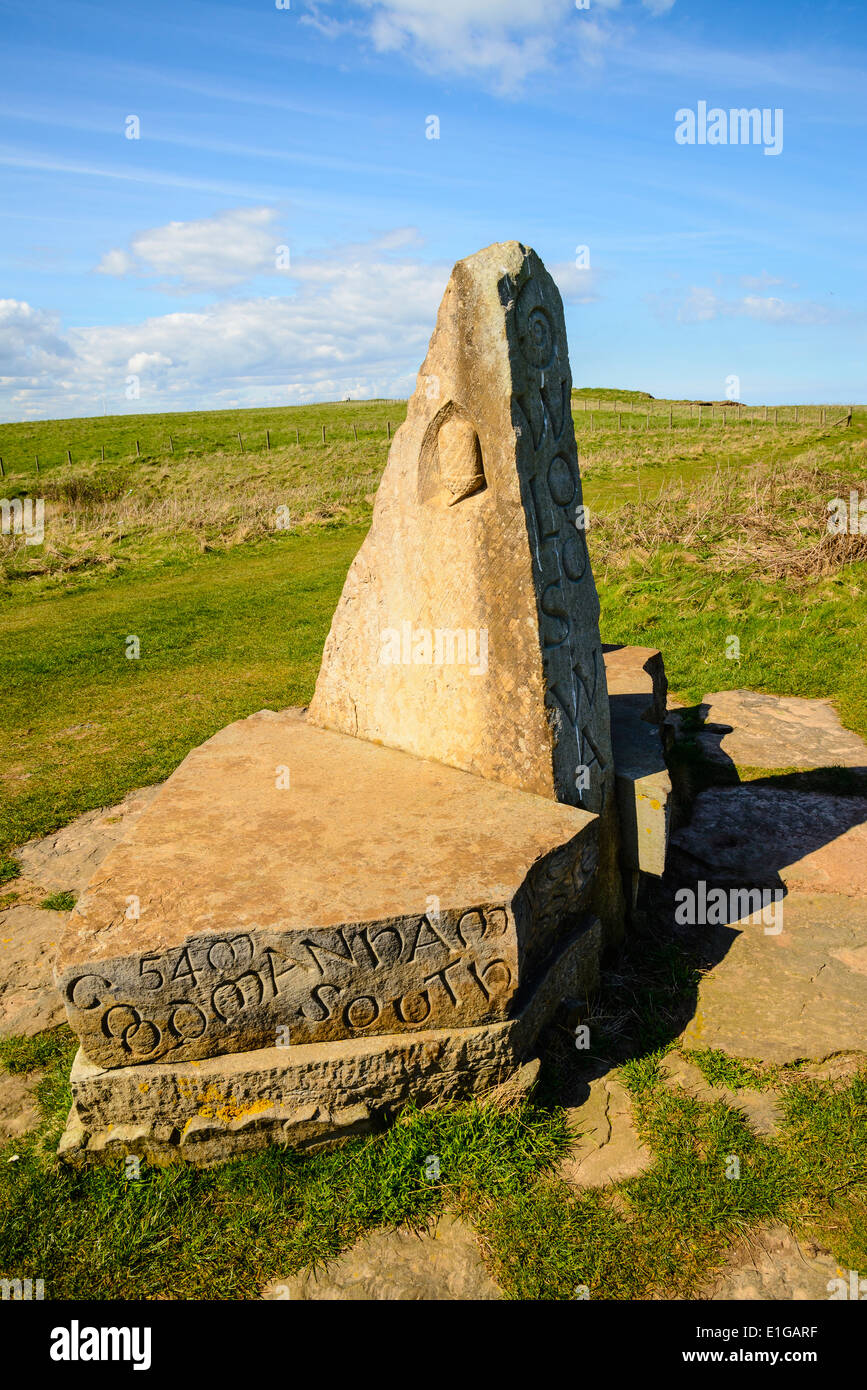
69	456
36	456
171	445
355	431
323	434
268	440
699	417
2	469
619	420
102	447
297	436
240	441
823	415
388	428
137	447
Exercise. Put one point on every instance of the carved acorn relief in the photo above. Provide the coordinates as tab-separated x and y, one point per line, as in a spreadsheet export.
460	458
451	458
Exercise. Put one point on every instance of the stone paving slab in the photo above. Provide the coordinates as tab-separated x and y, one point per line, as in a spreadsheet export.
773	1264
752	729
608	1148
761	1109
782	998
29	1001
810	842
19	1110
65	860
444	1264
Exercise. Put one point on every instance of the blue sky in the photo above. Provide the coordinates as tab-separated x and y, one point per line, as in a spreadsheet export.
306	128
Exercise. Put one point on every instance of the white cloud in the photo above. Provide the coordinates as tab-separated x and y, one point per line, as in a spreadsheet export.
760	282
117	263
147	361
357	323
509	40
214	253
576	286
30	341
703	304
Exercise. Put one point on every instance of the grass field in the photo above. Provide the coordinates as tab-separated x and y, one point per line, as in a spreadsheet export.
226	562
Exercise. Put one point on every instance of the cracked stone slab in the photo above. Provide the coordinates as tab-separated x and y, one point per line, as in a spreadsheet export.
761	1109
65	860
29	1001
19	1110
774	1264
608	1148
752	729
810	842
790	997
444	1264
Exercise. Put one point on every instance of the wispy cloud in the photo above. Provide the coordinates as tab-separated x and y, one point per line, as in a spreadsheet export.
357	321
507	41
701	304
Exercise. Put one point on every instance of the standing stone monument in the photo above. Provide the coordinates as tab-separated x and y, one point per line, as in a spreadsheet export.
478	538
322	916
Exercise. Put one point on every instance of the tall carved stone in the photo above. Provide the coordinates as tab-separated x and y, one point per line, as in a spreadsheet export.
468	629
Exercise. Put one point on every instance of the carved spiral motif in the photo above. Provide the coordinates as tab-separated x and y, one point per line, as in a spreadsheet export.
535	330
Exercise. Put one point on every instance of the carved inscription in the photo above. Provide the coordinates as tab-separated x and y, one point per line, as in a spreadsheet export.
231	993
549	469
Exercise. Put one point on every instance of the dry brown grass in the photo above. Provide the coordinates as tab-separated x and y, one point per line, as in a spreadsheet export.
772	525
97	518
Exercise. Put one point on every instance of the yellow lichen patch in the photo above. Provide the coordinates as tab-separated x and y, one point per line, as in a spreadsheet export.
144	1087
214	1105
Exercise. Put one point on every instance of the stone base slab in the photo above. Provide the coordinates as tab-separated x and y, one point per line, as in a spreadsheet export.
314	1095
291	884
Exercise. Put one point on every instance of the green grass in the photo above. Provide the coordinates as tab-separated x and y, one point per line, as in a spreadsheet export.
59	902
232	614
10	868
220	637
196	434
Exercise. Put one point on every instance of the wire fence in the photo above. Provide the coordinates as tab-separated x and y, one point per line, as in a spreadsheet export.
586	411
